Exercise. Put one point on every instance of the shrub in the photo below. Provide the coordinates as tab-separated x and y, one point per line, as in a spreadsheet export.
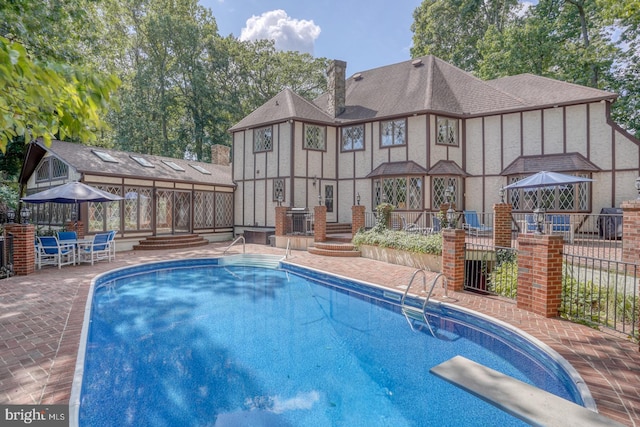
401	240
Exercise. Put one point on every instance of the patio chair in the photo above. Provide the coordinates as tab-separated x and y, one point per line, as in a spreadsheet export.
67	235
112	243
436	225
561	224
472	224
413	228
98	249
530	225
52	252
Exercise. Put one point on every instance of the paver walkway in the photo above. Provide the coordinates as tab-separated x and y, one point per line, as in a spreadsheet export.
41	318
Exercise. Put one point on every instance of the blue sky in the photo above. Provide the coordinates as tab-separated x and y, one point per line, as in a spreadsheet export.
364	33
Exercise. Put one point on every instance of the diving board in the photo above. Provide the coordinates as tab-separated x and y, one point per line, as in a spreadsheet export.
530	404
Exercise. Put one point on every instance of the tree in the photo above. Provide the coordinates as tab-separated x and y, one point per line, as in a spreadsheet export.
45	89
568	40
185	86
452	29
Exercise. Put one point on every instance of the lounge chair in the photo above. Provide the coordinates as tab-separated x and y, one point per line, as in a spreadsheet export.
561	224
53	252
98	249
472	224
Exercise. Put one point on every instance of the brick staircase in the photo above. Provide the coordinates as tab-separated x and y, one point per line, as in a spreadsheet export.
338	243
177	241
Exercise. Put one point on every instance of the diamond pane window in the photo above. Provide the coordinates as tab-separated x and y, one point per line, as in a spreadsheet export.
262	139
203	209
567	198
278	189
393	132
353	138
403	193
224	210
43	172
314	137
105	216
439	186
447	131
58	168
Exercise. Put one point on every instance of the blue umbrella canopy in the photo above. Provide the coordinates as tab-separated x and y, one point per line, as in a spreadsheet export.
547	179
71	192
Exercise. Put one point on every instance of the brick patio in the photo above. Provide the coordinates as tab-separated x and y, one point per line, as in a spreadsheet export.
41	318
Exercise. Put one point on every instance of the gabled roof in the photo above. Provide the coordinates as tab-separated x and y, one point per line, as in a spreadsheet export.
426	84
83	159
569	162
408	168
447	167
284	106
543	91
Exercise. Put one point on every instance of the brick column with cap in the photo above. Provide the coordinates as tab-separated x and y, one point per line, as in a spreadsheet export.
77	226
631	231
453	258
319	223
540	273
357	218
281	220
502	225
24	253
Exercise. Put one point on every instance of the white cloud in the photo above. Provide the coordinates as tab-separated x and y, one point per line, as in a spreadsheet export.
287	33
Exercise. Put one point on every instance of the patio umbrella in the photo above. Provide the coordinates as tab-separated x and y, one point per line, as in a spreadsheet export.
71	192
547	179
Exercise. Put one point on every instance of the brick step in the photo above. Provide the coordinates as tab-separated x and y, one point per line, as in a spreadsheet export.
171	242
338	228
333	253
334	246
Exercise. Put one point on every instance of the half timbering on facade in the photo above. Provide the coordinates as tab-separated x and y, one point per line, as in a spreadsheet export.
408	132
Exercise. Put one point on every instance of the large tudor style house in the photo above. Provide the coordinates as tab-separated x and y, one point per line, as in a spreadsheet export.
408	132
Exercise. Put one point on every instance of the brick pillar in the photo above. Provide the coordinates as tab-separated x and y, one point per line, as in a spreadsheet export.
453	258
281	220
502	225
540	273
77	226
357	218
631	231
319	223
24	254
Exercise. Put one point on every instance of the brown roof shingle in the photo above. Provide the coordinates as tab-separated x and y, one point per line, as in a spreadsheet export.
569	162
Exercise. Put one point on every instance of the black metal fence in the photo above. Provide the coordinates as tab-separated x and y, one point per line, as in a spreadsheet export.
491	269
6	256
601	292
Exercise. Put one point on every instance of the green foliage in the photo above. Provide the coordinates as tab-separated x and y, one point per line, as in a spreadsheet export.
47	99
504	279
401	240
383	217
569	40
581	301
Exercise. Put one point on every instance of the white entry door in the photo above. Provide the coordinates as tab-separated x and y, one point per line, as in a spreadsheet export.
329	199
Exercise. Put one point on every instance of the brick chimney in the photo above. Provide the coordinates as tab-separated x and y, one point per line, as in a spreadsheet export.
336	82
220	154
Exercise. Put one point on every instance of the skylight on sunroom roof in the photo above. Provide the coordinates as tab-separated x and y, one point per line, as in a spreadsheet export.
173	165
105	157
200	169
143	162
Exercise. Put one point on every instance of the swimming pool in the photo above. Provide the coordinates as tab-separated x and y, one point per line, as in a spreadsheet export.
198	342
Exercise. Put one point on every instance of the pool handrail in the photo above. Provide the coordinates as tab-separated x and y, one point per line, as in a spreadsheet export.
244	242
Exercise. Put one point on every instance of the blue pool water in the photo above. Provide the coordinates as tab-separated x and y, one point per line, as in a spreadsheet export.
195	344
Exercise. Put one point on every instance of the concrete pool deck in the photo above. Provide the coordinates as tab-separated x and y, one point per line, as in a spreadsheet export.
41	319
